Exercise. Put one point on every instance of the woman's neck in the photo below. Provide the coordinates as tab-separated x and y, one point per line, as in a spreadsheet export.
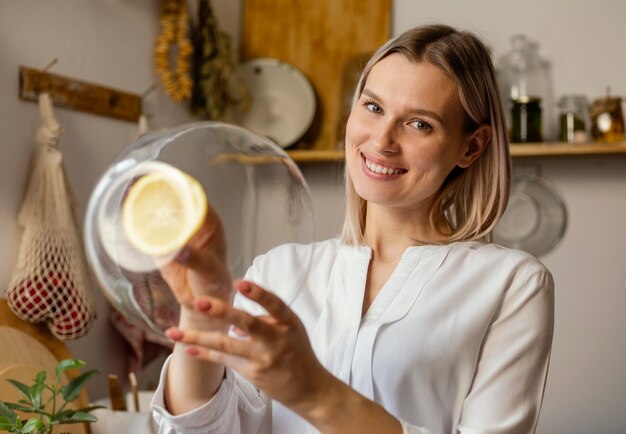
389	233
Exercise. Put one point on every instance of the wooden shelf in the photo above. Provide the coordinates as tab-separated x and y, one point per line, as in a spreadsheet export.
316	155
562	149
517	150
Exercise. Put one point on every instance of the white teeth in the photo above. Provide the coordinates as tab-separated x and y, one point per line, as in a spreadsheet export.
381	169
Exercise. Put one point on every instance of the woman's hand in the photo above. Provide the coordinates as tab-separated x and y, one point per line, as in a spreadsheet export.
273	351
200	268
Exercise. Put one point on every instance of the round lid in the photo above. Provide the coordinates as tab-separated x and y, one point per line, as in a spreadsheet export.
282	103
535	218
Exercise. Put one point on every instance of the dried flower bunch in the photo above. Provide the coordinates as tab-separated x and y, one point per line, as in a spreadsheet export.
175	29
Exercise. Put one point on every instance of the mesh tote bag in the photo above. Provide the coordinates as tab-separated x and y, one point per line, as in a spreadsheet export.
50	280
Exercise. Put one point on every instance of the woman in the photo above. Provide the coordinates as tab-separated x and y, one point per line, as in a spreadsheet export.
411	322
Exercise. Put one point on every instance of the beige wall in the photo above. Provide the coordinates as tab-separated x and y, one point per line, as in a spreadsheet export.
110	42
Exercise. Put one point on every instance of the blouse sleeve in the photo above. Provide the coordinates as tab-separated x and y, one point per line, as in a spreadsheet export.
236	408
508	384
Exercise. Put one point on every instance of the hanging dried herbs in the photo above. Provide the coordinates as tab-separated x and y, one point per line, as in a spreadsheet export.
174	40
216	86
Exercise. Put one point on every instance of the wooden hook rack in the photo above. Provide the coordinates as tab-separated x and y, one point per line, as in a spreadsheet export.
79	95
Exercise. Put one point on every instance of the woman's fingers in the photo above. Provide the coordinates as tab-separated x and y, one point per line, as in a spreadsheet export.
214	340
272	303
218	309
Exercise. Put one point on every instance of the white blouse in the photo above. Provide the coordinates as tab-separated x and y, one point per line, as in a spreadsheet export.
457	341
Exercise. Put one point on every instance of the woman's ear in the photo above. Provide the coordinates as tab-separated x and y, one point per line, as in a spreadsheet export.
474	145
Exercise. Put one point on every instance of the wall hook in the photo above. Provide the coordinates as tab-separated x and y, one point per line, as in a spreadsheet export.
39	78
50	65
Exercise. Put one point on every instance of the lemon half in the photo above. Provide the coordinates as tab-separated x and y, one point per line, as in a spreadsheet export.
162	211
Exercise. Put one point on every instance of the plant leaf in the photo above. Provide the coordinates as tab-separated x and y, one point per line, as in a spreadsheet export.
35	392
33	425
41	377
79	417
65	365
61	416
91	408
7	414
21	387
20	407
72	389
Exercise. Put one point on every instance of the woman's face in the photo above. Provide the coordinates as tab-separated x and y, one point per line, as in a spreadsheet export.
404	135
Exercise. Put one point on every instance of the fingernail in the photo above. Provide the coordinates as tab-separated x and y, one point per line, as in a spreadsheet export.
174	334
239	332
203	305
245	288
192	351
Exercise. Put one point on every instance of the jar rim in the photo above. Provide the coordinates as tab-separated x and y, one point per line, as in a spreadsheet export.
527	99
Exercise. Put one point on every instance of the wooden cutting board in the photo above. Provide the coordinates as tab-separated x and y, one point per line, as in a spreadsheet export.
37	331
327	40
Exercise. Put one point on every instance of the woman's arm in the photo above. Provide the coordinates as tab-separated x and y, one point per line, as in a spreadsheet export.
342	410
191	382
508	385
199	269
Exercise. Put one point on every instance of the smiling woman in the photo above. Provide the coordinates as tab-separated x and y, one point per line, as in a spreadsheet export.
411	322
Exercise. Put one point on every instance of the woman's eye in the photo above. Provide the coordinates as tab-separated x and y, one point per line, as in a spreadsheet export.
421	125
373	107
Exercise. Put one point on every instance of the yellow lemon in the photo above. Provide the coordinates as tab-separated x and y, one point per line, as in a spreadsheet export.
162	211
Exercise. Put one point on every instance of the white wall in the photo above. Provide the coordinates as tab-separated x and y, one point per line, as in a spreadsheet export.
110	42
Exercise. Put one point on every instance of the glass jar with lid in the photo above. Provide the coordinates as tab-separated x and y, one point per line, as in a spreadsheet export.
525	83
573	119
607	120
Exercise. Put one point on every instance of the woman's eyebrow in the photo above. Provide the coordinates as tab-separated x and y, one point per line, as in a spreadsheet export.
418	111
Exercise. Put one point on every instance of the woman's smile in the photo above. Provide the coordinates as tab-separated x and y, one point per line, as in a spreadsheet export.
379	170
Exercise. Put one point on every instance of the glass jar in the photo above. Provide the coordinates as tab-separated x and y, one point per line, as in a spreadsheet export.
573	119
607	120
524	74
526	120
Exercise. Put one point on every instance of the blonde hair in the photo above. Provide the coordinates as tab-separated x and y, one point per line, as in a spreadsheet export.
471	200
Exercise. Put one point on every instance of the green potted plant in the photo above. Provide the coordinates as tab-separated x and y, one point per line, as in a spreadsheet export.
40	400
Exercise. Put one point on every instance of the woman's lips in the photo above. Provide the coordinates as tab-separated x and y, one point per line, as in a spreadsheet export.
380	170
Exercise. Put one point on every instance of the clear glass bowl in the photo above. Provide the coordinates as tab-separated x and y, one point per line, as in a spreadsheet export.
256	189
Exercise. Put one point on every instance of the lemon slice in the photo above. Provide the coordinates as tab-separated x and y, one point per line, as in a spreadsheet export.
162	211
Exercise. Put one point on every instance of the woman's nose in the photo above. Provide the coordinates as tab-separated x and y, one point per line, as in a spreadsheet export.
385	138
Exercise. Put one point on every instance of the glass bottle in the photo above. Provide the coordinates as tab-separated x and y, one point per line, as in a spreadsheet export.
573	119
